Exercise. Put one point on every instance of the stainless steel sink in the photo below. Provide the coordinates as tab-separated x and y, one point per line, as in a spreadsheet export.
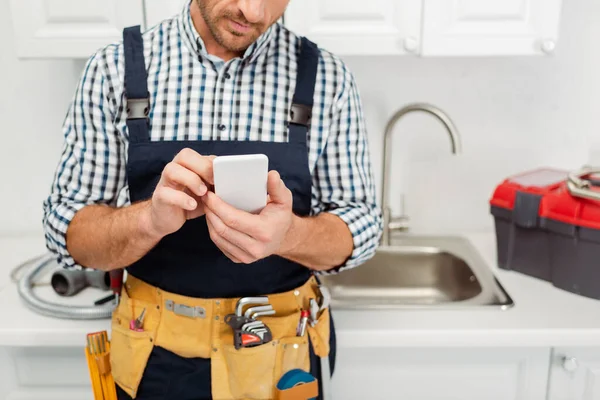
419	271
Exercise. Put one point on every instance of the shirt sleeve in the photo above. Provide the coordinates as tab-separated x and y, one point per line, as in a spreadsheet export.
91	168
343	180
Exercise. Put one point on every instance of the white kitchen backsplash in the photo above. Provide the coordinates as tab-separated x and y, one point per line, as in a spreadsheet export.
512	113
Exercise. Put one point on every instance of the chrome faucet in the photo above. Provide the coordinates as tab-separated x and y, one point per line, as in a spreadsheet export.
400	223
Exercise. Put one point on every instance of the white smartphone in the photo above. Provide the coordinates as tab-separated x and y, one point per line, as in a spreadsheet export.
241	181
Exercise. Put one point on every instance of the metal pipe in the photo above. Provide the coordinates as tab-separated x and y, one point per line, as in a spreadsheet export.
69	282
25	289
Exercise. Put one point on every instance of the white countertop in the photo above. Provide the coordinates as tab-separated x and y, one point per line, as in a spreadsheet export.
542	315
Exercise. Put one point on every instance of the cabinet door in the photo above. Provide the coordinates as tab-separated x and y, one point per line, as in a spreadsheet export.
351	27
44	373
490	27
67	28
575	374
159	10
441	374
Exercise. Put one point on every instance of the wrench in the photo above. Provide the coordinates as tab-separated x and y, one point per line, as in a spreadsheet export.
254	324
249	300
262	313
314	312
253	310
325	297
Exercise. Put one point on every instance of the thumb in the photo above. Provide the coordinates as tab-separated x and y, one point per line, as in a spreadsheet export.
278	192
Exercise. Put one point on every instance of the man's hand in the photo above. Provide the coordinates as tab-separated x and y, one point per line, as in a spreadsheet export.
176	198
244	237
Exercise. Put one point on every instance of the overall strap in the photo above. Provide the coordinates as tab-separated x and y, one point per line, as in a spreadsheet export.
302	103
136	86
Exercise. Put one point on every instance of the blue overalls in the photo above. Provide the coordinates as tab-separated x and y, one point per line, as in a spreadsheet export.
187	262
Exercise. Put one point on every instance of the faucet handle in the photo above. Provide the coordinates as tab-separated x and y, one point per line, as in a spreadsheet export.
399	223
391	224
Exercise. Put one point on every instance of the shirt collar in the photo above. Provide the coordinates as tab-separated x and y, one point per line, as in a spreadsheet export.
190	34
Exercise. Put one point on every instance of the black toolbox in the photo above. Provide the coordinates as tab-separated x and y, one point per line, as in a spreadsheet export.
548	227
522	244
571	216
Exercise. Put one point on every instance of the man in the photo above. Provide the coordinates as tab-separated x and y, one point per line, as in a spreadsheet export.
134	189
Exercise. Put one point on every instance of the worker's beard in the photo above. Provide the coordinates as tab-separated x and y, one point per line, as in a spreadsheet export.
225	37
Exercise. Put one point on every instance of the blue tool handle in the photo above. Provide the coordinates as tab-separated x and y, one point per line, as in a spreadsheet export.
294	377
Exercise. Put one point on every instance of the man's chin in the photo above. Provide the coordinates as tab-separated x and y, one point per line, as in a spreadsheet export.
233	41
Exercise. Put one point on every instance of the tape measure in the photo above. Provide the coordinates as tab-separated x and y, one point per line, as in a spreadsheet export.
293	378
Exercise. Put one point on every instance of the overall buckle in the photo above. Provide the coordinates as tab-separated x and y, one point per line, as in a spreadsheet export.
138	108
300	114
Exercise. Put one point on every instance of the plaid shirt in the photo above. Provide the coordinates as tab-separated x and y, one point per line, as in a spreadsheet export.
197	96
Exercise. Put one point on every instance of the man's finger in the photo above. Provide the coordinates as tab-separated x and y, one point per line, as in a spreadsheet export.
233	236
201	165
228	247
239	220
198	212
177	175
278	192
232	258
173	197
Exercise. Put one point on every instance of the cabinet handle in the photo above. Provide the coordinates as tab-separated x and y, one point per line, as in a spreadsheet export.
411	44
548	46
570	364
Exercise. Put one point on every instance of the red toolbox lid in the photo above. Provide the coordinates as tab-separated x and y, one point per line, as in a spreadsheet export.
564	206
539	181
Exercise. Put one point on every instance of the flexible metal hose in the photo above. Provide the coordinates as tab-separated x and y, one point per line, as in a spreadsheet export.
25	287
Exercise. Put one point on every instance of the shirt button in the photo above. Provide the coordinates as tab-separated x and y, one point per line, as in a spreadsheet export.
222	127
227	76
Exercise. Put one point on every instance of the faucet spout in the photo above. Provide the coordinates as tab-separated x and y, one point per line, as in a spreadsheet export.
401	223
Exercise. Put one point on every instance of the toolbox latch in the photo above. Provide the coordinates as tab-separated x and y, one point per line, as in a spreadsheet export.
525	213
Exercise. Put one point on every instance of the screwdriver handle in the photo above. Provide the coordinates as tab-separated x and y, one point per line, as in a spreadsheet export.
116	282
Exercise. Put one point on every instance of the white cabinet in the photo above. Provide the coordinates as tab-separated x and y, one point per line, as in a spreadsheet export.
53	373
429	27
490	27
575	374
46	373
357	26
77	28
442	374
68	28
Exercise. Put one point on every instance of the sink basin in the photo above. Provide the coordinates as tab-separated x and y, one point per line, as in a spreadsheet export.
439	272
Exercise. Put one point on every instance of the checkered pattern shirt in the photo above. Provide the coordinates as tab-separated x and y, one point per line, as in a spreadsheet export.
197	96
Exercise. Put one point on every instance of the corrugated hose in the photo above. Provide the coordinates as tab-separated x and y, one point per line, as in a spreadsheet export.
26	284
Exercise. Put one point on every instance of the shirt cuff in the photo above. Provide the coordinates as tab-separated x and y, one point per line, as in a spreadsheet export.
365	226
56	224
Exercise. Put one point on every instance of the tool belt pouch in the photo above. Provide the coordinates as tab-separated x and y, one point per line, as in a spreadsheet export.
253	372
130	350
320	334
304	391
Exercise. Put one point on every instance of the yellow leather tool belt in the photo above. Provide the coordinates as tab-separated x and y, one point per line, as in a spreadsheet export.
194	327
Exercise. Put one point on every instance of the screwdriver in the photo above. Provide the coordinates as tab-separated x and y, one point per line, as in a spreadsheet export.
138	323
116	283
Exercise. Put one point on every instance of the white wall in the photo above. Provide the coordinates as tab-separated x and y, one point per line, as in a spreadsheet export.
512	113
33	103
